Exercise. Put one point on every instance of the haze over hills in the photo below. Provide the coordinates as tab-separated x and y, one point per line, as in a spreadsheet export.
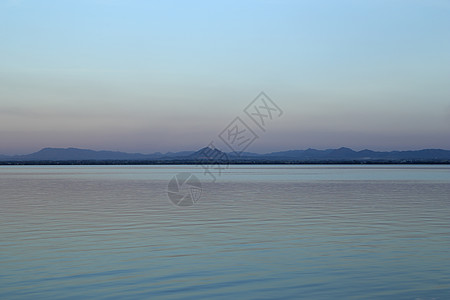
309	155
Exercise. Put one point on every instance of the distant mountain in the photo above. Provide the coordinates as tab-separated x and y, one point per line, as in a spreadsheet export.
208	153
75	154
300	154
176	154
79	154
309	155
347	154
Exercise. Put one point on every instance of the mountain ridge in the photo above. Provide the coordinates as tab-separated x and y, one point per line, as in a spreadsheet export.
339	154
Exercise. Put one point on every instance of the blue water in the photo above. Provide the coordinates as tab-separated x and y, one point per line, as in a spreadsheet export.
258	232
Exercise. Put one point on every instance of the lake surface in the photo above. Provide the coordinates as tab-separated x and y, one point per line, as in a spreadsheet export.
258	232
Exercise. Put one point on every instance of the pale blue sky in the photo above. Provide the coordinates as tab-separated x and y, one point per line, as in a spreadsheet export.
150	76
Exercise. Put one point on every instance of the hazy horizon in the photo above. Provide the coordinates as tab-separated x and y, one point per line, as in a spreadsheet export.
222	149
144	76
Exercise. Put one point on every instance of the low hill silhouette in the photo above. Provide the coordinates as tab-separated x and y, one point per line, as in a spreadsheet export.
291	156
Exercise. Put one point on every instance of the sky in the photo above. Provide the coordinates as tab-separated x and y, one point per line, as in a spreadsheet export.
148	76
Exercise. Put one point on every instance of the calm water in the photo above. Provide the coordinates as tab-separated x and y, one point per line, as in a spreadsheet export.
312	232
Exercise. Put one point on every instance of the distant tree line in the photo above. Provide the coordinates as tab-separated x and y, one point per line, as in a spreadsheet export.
230	162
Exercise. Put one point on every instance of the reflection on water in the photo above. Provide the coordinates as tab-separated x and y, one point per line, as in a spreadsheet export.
259	232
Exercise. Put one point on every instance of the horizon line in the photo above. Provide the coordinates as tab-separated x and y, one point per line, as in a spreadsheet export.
228	152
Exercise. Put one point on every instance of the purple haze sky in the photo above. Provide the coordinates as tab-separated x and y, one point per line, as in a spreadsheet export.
147	76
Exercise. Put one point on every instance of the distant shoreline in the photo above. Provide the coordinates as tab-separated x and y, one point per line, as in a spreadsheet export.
213	156
199	163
